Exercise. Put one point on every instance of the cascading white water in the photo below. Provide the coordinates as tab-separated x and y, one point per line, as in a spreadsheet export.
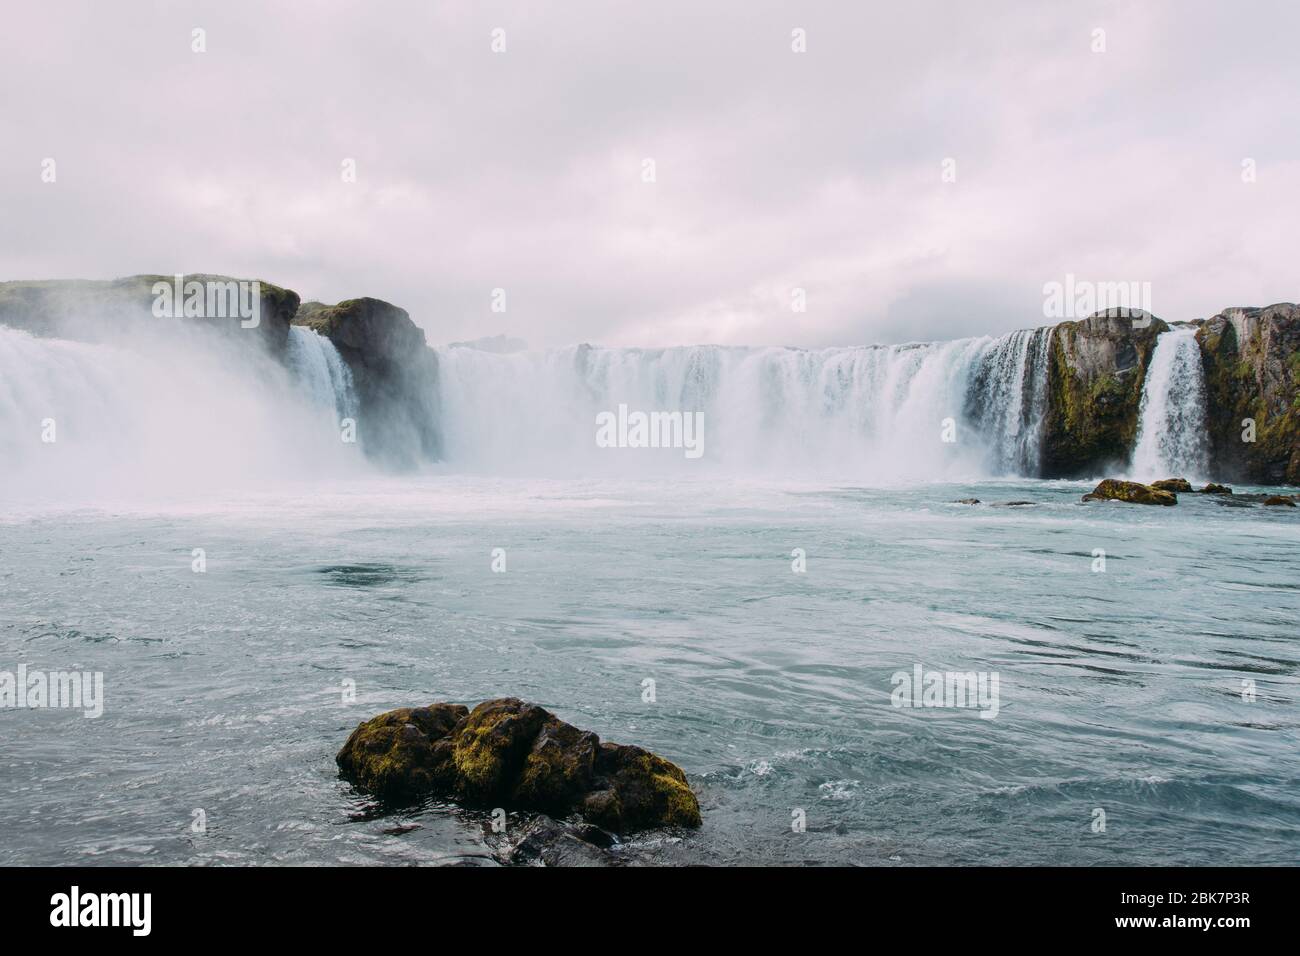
873	412
158	415
1171	440
324	375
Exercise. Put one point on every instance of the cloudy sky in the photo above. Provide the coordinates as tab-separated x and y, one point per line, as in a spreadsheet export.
774	170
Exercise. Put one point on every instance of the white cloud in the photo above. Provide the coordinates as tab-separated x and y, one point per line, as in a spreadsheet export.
775	169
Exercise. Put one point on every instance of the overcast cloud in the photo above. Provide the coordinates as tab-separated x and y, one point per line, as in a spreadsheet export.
775	170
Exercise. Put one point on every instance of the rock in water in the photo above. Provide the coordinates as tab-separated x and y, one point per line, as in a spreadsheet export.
1213	489
1282	500
1131	491
510	752
403	753
1173	484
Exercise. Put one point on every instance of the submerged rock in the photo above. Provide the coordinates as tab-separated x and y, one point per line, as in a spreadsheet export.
547	842
967	501
1282	500
513	753
1172	484
1131	491
1213	489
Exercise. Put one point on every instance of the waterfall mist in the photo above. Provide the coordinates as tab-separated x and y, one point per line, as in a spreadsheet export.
189	410
872	413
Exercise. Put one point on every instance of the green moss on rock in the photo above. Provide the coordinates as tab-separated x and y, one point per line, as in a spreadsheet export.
401	754
512	753
490	747
1095	373
558	769
650	791
1132	492
1251	361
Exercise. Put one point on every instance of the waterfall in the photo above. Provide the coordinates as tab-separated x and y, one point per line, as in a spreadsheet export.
1008	399
321	370
156	416
876	413
1171	439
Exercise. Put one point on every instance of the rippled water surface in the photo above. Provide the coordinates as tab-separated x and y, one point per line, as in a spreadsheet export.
1120	690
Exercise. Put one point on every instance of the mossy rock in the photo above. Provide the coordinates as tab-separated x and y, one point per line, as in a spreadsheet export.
1131	491
490	748
1172	484
1283	500
643	790
403	753
508	752
1213	489
558	770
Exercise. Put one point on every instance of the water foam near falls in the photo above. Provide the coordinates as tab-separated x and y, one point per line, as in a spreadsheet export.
157	416
873	413
1171	439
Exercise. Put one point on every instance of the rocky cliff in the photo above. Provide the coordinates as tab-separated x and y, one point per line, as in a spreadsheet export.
1251	359
1096	370
394	372
97	310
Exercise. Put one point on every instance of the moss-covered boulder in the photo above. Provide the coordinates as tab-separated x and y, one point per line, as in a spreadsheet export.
1213	489
559	768
1094	392
1251	360
1172	484
490	747
511	753
403	753
639	790
1131	491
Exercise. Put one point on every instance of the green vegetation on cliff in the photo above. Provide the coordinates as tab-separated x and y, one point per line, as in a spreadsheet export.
1251	359
1095	376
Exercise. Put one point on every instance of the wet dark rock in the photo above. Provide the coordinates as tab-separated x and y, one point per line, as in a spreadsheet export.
510	753
1213	489
1132	492
1251	359
967	501
548	842
1172	484
396	756
1283	500
1094	392
1013	504
394	373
